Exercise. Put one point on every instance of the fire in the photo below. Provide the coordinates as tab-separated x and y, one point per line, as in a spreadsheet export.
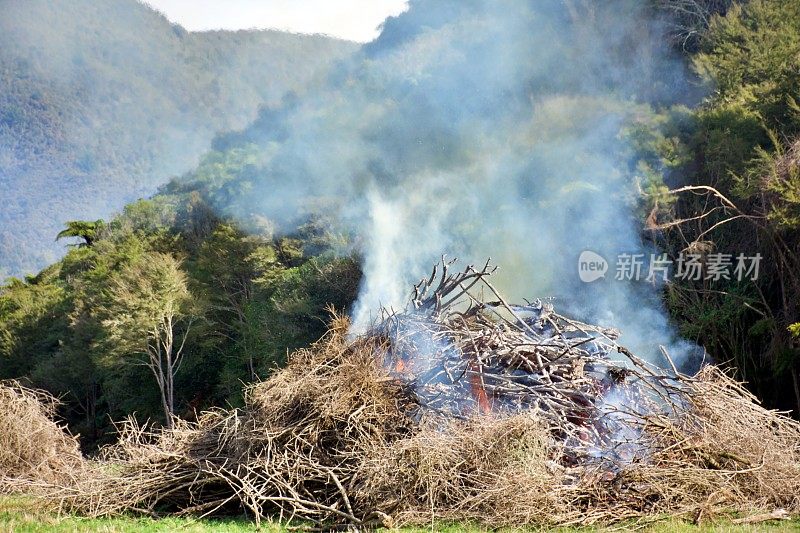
479	389
461	355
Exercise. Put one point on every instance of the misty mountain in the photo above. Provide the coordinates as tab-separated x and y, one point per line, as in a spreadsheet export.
103	100
459	131
528	131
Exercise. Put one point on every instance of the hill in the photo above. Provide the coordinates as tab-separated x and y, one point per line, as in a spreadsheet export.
102	101
328	195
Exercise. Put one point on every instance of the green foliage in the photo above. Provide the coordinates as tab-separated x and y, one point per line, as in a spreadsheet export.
31	317
745	146
752	58
659	151
143	302
217	168
294	307
773	177
88	327
147	311
102	101
88	231
145	217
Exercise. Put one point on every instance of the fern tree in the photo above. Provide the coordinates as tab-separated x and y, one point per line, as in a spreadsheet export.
86	230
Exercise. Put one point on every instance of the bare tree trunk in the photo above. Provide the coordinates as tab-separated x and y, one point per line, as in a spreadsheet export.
170	370
157	361
91	412
251	364
796	382
169	362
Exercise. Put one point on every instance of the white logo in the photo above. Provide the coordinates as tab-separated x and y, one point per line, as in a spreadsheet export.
591	266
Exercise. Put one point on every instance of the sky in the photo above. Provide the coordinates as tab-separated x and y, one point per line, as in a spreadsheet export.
355	20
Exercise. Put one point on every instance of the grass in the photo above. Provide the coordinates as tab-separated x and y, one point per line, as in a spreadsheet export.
22	515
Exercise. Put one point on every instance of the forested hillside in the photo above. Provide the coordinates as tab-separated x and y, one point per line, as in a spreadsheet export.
101	101
253	244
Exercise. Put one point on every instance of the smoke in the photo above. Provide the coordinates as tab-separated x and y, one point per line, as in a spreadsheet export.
486	128
102	101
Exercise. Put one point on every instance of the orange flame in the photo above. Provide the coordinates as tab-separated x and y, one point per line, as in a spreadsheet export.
478	390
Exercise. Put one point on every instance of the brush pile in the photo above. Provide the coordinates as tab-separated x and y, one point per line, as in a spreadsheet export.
461	408
459	355
33	448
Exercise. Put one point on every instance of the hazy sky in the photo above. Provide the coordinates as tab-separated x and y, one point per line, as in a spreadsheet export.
356	20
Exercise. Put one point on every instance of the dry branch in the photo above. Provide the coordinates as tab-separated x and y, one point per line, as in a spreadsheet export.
461	409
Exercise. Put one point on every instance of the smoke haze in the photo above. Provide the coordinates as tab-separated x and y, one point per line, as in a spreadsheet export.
102	101
485	129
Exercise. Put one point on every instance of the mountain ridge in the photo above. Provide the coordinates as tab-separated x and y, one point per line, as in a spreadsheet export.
102	102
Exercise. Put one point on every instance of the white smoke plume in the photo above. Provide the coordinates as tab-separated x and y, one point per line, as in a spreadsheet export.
485	128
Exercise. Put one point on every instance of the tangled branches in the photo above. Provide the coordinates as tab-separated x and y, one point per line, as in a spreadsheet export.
33	448
461	408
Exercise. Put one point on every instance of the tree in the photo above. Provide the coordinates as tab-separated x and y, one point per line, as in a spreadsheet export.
88	231
149	310
746	145
228	262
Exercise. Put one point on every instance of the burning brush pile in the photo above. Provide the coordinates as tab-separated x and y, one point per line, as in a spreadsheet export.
458	355
462	407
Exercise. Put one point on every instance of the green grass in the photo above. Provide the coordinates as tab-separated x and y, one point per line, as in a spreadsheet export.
22	515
